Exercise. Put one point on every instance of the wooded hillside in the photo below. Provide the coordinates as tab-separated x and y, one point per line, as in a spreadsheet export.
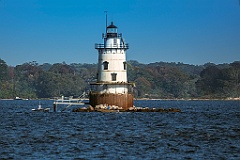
154	80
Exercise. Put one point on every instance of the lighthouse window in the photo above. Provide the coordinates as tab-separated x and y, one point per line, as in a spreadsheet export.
111	30
114	76
125	65
105	65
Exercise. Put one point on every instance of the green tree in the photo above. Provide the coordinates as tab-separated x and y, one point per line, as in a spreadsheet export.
3	70
231	80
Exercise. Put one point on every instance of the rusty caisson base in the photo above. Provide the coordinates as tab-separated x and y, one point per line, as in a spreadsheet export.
121	100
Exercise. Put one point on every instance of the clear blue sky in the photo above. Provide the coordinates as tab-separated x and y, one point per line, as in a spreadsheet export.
53	31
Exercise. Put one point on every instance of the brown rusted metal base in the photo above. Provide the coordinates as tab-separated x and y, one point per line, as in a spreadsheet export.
121	100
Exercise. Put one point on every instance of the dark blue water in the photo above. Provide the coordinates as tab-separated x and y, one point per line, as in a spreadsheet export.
203	130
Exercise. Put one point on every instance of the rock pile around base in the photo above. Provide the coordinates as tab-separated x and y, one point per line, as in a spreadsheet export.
113	108
109	107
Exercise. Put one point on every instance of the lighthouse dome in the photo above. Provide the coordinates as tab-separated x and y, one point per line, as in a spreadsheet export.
112	25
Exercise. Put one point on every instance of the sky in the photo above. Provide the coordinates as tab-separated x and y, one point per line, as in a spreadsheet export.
55	31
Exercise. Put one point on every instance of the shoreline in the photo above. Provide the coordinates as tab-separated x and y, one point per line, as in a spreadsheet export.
194	99
148	99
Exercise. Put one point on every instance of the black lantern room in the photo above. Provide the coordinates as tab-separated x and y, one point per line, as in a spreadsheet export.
111	31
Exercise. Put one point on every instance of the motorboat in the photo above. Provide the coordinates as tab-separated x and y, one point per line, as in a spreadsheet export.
41	109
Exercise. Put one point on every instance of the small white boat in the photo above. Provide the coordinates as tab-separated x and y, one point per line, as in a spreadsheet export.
41	109
18	98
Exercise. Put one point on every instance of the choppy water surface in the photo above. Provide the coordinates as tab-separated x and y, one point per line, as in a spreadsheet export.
203	130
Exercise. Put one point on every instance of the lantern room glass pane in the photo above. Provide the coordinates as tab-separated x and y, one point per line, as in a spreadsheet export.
112	30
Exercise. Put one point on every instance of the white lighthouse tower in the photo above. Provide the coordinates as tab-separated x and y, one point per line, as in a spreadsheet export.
112	86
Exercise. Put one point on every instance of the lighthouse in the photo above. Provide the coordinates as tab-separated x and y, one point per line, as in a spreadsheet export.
112	86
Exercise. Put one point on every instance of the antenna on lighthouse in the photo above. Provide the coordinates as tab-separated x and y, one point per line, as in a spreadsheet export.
106	20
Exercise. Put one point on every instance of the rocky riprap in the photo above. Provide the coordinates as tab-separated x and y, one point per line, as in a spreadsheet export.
113	108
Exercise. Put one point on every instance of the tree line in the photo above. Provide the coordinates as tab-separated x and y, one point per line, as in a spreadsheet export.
155	80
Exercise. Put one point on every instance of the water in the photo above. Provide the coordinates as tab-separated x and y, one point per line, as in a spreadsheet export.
203	130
